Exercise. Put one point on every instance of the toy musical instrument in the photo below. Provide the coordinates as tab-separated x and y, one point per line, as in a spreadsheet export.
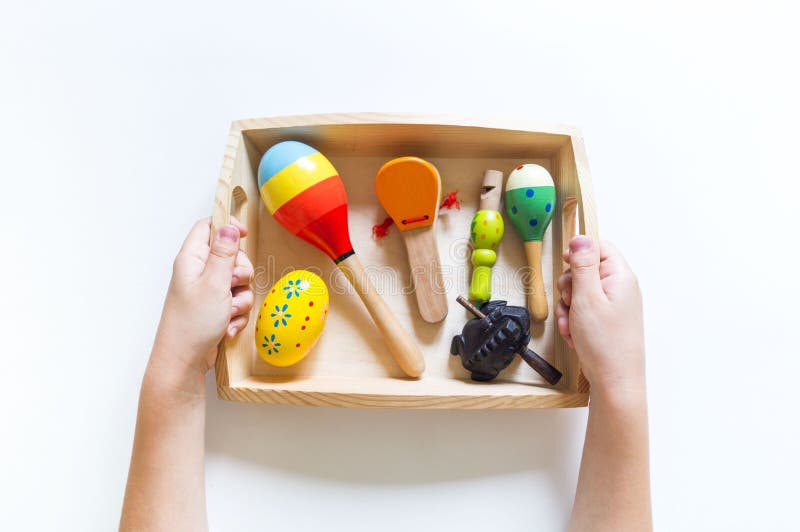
487	345
486	232
530	202
304	193
291	318
409	189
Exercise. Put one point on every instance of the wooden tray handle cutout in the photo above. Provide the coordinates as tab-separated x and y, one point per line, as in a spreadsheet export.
229	201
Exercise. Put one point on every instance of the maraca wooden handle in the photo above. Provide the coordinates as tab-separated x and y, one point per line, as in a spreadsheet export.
542	367
401	344
426	273
537	299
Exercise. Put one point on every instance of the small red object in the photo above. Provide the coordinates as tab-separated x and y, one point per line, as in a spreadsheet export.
382	229
451	201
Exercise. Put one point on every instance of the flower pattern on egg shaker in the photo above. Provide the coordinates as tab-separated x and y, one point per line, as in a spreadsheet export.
280	315
271	344
295	287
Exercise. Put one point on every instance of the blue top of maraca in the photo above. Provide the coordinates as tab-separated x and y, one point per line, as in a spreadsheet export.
279	157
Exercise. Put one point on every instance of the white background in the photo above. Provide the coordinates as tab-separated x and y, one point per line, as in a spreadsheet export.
113	120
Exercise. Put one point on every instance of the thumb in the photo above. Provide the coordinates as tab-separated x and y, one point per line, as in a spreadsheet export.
222	256
585	266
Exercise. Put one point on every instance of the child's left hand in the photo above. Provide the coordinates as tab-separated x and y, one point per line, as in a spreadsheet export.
209	297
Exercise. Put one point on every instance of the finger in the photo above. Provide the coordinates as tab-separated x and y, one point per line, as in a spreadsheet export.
243	260
196	243
242	276
243	272
242	301
584	267
611	259
607	249
610	253
566	296
565	287
239	225
565	255
222	256
570	341
564	280
236	325
562	319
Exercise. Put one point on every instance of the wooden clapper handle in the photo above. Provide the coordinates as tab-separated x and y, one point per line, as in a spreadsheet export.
401	344
426	273
537	299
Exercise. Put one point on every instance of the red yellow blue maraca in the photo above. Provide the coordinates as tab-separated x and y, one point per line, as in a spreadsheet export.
530	202
304	193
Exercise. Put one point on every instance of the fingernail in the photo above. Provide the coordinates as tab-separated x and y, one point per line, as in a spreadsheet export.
229	233
234	279
580	243
232	331
234	311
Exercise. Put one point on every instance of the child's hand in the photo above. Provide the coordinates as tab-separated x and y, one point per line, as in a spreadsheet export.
209	297
600	316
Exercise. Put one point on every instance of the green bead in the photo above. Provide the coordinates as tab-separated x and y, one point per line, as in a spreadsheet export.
486	230
481	287
484	257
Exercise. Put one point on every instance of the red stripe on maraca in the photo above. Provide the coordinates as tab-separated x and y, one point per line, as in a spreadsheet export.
318	215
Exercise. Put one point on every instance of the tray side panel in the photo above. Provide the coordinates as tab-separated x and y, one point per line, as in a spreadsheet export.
421	140
574	185
400	393
237	195
462	135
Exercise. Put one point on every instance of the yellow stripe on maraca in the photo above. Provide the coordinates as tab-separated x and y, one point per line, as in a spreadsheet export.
295	178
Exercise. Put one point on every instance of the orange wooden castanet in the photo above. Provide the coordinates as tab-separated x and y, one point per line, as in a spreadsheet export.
409	188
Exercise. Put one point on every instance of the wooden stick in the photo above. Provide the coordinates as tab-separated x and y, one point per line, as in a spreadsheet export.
426	273
470	307
537	299
540	365
402	346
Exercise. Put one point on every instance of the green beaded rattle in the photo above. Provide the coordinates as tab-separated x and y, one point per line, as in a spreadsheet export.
530	202
486	232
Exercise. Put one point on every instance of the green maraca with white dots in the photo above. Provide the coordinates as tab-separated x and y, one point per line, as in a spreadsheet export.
530	202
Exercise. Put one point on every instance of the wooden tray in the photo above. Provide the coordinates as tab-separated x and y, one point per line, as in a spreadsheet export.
350	366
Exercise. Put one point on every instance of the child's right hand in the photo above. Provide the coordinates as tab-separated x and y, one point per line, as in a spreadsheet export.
600	316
